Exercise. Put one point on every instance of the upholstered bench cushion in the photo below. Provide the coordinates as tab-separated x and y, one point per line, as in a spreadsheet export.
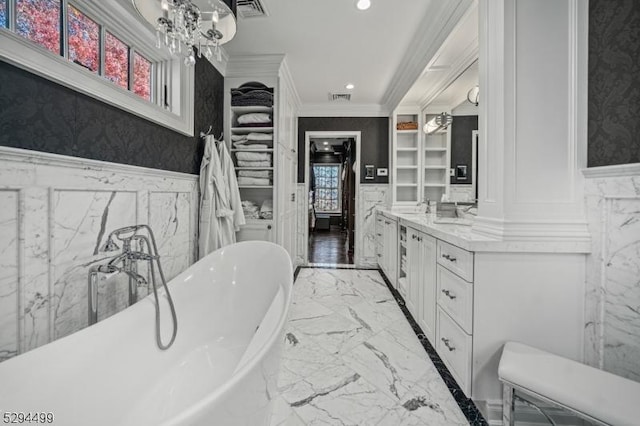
604	396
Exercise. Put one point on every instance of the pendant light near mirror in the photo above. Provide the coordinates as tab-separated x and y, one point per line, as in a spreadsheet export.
473	96
438	124
202	25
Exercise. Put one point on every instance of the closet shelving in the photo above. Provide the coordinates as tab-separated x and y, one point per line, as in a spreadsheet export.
406	166
257	194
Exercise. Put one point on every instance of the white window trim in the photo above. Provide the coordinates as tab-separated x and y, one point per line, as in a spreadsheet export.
123	23
339	210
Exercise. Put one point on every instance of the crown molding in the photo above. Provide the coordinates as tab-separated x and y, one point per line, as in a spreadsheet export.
618	170
343	110
250	66
437	25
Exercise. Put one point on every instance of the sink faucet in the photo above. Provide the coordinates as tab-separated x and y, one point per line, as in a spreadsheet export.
126	262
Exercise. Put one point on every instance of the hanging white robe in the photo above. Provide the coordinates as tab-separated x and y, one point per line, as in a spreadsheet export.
231	186
216	215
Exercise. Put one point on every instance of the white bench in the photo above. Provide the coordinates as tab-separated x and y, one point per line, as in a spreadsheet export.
589	393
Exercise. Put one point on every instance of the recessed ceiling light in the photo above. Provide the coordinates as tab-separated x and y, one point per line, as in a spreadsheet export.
363	4
326	143
326	148
349	86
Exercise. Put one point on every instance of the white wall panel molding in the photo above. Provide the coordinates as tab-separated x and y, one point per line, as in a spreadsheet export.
55	214
531	186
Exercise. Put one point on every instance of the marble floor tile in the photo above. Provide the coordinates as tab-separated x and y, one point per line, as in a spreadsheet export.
338	395
352	358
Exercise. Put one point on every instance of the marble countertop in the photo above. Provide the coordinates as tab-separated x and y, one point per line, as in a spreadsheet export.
464	237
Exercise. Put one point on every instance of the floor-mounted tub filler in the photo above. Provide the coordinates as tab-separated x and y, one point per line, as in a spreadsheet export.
221	370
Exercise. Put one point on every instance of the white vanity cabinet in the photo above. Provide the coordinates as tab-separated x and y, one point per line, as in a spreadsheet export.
454	338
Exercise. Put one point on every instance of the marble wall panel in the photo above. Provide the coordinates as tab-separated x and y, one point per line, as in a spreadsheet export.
170	218
82	221
55	215
612	311
371	196
8	273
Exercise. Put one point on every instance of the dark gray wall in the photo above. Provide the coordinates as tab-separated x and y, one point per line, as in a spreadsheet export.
614	82
375	140
461	149
40	115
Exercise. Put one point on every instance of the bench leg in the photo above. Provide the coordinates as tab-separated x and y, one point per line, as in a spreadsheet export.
508	406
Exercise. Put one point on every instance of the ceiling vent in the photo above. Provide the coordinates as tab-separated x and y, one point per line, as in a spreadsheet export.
251	9
340	96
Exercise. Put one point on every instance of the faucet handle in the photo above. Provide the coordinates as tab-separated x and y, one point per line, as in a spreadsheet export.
109	246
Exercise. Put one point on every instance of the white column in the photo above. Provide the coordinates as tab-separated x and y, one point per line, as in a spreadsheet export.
533	133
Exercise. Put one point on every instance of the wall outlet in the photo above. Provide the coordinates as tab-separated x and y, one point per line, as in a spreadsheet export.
452	172
383	172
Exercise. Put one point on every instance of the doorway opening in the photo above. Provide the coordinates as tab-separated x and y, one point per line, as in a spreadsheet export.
332	183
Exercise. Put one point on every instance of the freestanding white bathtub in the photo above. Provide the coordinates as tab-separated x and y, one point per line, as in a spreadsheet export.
231	305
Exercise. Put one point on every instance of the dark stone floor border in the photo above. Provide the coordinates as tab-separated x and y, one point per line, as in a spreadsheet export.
467	405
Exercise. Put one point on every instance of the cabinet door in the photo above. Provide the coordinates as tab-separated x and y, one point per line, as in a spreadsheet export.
393	253
428	295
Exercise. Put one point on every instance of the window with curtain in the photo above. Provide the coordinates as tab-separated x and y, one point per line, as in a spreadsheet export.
327	187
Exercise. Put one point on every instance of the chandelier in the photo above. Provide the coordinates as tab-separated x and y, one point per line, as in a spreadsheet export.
190	27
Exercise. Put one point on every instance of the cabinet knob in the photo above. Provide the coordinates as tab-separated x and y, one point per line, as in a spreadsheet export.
448	294
449	257
446	343
268	226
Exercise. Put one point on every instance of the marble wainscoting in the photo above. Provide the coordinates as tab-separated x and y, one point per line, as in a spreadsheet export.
369	197
612	320
55	214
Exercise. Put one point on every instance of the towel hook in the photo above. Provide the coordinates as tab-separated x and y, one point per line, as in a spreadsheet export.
208	132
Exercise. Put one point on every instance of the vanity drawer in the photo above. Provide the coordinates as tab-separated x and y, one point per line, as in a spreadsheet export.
456	260
455	348
455	297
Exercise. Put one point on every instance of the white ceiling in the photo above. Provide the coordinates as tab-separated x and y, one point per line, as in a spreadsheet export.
329	43
453	70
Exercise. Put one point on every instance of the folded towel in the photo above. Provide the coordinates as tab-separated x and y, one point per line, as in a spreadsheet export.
254	163
253	181
254	136
255	173
254	118
253	156
239	145
238	138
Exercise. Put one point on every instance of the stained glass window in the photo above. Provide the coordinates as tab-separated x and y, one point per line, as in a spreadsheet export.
141	76
327	177
116	61
39	21
84	40
3	13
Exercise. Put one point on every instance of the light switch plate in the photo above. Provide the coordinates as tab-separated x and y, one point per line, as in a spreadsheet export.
383	172
369	171
452	172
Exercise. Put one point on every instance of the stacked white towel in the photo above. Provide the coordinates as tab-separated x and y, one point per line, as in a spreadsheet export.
255	173
254	163
253	181
241	145
254	118
253	156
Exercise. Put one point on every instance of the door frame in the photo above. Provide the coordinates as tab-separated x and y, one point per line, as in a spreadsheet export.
308	135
